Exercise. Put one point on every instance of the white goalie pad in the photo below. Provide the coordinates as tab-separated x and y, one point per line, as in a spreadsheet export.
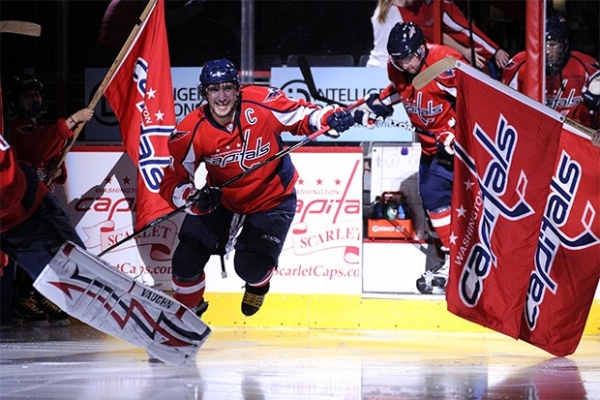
94	292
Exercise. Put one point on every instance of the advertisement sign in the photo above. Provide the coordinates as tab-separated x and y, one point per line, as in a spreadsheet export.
322	253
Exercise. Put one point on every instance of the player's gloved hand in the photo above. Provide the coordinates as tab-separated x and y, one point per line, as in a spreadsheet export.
371	110
206	199
203	201
445	142
592	94
338	119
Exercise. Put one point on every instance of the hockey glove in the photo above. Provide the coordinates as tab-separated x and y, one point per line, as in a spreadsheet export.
202	201
337	119
371	110
445	142
206	199
340	121
592	94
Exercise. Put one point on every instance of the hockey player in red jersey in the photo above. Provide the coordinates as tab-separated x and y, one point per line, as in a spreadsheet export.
237	128
431	111
38	143
572	77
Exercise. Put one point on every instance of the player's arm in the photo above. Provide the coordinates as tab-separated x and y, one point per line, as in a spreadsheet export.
300	117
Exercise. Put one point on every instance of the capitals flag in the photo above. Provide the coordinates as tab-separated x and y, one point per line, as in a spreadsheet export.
141	95
525	243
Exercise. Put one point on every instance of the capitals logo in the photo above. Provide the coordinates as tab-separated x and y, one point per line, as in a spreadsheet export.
568	224
490	205
157	123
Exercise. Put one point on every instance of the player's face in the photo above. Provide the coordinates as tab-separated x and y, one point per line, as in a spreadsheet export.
554	51
221	99
30	100
410	64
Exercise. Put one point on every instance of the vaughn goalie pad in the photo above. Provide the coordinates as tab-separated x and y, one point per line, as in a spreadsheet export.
94	292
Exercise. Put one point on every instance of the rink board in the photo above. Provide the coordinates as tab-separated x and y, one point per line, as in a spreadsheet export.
350	312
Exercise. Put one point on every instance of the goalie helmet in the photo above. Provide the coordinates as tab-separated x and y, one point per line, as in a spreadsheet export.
26	96
218	71
405	39
557	43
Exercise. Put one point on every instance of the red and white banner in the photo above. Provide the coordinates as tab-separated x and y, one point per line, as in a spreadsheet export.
141	94
523	224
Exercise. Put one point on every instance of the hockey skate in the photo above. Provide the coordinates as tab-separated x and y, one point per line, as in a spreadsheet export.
56	316
434	281
253	299
200	308
26	311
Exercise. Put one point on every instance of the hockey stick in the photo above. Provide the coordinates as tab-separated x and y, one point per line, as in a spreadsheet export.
433	71
20	28
274	157
315	94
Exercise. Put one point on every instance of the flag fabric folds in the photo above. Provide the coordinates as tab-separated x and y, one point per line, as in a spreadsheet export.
141	95
525	227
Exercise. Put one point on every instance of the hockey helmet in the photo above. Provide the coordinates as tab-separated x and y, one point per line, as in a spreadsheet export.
557	43
218	71
26	96
405	38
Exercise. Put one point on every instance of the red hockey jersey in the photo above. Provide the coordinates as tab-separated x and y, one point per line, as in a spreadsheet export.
564	90
228	151
39	144
430	109
20	198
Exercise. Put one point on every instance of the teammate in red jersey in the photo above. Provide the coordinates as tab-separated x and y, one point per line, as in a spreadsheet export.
38	143
572	77
431	111
236	129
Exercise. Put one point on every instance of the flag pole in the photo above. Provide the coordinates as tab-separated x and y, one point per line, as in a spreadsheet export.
109	75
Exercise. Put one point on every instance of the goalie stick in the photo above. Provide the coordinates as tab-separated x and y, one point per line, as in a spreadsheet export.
20	28
315	94
274	157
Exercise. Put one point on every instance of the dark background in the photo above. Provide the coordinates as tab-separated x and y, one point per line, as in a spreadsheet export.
200	30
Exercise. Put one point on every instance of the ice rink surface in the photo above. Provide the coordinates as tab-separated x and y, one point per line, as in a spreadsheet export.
78	362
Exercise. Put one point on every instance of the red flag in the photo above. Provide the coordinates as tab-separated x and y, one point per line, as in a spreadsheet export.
503	164
567	261
141	95
525	226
